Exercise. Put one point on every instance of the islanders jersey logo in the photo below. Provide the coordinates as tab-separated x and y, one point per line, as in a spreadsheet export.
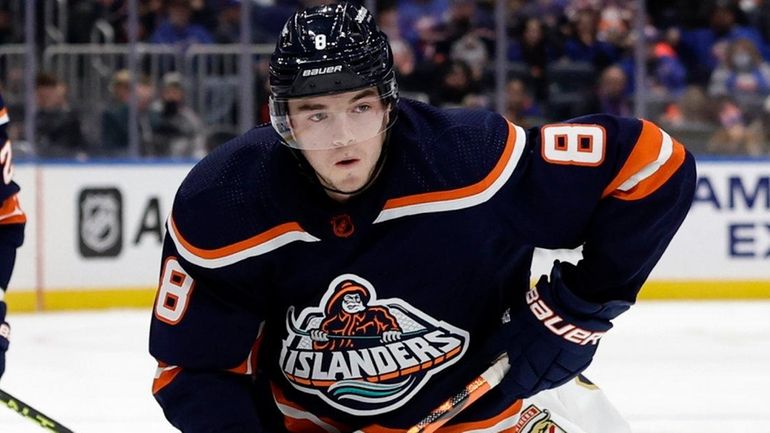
364	355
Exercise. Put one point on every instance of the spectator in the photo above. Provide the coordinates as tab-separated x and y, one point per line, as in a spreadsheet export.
692	110
415	16
692	118
115	117
177	27
387	21
701	49
550	12
738	134
471	50
762	21
150	17
666	75
57	125
455	84
8	34
615	22
743	74
176	129
412	78
584	46
521	107
268	18
84	14
611	96
531	47
228	29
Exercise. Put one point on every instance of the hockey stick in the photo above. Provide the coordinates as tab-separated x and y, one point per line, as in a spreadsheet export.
479	386
28	411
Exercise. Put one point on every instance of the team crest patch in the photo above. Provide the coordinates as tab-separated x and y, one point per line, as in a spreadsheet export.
536	420
364	355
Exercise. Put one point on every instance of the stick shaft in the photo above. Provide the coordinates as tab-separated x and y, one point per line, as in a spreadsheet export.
479	386
28	411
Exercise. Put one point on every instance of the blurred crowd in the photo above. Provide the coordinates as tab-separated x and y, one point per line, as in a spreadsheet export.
706	71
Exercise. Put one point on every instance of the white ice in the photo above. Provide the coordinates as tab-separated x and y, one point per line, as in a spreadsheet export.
670	367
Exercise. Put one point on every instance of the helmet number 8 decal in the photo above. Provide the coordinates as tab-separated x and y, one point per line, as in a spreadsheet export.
320	41
573	144
176	286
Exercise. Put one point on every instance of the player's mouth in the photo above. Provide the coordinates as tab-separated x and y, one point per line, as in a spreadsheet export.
346	162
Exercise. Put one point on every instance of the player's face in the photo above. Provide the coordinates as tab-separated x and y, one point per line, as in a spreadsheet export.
341	135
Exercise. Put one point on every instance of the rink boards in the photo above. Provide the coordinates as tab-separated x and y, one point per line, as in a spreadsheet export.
94	235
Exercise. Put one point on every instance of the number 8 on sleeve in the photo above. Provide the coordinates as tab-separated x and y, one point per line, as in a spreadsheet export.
176	286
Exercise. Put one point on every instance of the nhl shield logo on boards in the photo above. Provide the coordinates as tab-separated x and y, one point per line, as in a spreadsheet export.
364	355
100	222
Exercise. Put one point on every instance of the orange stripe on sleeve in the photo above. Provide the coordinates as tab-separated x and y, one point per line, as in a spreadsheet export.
658	179
467	191
644	156
10	211
164	375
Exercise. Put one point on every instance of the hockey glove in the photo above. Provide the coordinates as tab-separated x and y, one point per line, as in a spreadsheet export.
5	334
551	337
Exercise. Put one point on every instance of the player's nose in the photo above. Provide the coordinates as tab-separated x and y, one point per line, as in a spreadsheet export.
343	132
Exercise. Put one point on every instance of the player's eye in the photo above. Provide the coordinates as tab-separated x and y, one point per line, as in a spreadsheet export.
362	108
318	117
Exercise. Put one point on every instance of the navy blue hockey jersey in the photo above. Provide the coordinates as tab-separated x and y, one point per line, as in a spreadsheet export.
282	309
12	218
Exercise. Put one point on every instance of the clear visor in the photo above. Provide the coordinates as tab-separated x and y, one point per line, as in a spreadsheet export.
329	121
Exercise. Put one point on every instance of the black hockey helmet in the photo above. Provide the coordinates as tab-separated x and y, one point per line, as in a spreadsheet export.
325	50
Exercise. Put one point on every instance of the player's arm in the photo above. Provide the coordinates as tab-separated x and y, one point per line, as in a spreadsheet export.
619	187
628	200
12	220
206	343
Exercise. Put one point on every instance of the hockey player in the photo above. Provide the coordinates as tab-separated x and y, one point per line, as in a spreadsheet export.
291	251
12	221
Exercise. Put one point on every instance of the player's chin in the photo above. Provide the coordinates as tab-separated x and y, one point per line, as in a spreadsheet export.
350	183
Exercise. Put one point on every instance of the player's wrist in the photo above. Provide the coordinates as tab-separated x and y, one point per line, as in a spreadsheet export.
568	299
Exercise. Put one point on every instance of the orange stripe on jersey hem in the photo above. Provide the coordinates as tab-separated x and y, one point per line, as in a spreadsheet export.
4	116
297	419
164	375
467	196
262	243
